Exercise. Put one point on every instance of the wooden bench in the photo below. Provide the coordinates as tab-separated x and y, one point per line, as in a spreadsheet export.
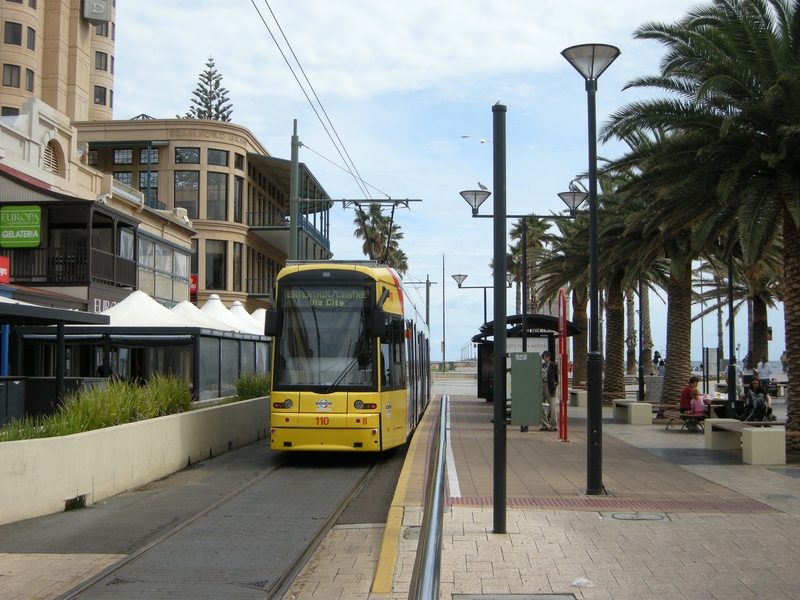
687	419
762	442
633	412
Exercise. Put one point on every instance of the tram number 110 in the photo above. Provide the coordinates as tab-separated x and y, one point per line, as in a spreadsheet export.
323	421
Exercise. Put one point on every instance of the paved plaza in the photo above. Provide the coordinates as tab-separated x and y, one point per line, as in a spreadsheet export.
678	522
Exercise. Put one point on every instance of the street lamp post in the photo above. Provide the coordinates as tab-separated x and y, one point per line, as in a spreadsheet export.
591	60
460	279
475	198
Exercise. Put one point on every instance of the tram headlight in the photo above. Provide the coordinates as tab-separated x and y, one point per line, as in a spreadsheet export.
285	404
358	405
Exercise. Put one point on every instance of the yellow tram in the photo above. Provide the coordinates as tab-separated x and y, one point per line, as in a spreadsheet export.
350	358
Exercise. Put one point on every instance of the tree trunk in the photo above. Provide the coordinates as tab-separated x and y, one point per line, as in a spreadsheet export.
679	335
759	343
647	338
579	342
614	381
630	340
791	315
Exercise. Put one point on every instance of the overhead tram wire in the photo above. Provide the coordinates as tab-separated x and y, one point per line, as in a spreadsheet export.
343	169
350	165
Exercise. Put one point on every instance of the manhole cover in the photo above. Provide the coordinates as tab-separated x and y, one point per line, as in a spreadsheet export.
634	516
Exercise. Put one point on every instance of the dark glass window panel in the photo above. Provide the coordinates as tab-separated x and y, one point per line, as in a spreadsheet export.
11	76
29	80
238	161
13	33
187	192
31	38
100	95
217	190
123	156
101	61
238	193
8	111
124	177
218	157
189	156
215	264
102	29
237	267
153	156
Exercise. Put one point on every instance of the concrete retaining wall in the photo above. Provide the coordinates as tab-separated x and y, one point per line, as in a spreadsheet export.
37	477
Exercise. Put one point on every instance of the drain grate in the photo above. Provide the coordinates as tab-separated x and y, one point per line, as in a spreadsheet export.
262	584
780	496
607	504
512	596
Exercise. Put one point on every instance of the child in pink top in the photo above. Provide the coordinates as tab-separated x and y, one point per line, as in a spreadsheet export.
698	405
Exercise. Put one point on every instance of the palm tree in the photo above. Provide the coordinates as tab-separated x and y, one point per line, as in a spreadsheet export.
733	69
380	234
536	232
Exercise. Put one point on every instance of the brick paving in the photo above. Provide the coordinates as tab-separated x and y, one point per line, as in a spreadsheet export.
723	529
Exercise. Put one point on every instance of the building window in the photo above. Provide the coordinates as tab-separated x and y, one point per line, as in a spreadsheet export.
102	30
111	99
217	205
215	264
238	192
238	161
99	95
32	3
187	192
123	156
218	157
13	33
153	156
153	184
101	61
125	177
28	80
112	65
237	267
31	38
113	31
188	156
51	158
8	111
11	76
92	158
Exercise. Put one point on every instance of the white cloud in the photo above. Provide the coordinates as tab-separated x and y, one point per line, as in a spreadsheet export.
402	82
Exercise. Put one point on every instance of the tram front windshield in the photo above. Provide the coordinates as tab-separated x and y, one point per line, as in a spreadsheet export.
323	340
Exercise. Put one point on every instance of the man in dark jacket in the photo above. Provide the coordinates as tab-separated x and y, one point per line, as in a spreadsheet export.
549	395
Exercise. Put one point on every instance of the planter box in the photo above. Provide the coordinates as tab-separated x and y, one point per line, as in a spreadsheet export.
41	477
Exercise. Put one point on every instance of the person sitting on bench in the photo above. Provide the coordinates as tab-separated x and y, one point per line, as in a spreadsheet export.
686	395
758	404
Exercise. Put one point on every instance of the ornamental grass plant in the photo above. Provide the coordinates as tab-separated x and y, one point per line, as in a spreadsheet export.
98	407
252	386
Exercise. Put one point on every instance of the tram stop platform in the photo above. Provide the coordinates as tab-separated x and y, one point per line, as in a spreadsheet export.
678	521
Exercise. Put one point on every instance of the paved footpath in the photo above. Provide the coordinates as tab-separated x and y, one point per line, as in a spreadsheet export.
680	522
704	524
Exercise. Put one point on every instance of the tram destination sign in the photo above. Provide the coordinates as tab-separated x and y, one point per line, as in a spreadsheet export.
20	226
325	297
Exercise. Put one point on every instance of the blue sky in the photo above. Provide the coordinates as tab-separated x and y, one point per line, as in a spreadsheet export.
402	82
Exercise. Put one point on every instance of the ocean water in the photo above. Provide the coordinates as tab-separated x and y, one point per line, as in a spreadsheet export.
775	364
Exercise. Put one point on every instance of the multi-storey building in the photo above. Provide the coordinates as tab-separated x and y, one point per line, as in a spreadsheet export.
165	202
235	194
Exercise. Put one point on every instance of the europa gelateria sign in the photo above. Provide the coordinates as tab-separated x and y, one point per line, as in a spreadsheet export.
20	226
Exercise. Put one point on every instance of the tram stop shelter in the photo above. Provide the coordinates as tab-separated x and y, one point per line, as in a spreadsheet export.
541	332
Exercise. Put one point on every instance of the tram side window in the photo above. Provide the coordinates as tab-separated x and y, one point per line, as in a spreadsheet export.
392	358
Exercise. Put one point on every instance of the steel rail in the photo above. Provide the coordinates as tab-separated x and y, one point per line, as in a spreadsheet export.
428	562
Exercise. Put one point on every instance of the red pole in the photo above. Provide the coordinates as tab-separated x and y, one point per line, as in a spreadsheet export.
564	358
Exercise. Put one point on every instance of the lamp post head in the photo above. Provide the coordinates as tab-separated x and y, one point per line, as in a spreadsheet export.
510	278
459	279
573	199
475	198
590	60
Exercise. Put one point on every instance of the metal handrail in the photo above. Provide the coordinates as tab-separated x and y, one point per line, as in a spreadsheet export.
428	562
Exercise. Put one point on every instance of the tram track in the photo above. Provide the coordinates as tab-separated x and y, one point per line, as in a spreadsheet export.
136	570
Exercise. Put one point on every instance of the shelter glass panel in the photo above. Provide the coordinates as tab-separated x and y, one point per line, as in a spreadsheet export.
248	358
209	368
229	367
